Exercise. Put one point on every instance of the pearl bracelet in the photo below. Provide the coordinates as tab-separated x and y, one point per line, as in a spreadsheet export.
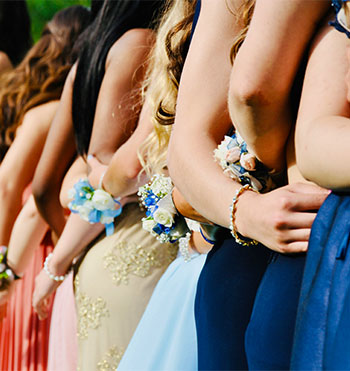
184	247
233	229
47	270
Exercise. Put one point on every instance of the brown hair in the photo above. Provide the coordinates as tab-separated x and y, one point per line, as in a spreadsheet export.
39	78
245	13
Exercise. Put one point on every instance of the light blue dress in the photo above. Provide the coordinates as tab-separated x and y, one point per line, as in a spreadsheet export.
165	338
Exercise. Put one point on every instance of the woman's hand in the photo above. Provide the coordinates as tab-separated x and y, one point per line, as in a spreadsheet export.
281	219
96	171
44	288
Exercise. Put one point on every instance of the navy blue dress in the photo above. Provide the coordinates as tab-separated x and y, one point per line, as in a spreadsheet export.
225	295
322	334
269	337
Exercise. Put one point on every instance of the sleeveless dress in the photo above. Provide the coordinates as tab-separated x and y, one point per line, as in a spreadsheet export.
165	338
322	334
113	285
225	295
63	342
23	337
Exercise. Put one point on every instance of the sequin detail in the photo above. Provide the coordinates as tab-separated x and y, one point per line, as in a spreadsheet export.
111	359
90	311
124	259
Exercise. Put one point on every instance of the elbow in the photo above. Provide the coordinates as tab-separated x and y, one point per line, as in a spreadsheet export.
6	189
249	94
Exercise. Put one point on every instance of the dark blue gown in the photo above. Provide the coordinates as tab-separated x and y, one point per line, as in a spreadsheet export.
225	295
322	334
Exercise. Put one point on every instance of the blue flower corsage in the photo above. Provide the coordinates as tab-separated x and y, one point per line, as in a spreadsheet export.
94	205
233	156
162	219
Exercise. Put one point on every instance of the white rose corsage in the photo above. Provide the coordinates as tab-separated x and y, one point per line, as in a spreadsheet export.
233	156
162	219
94	205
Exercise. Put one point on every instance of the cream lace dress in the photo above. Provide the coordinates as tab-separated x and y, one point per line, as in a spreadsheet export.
113	285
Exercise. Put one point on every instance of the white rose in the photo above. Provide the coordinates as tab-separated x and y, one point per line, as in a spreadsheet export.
148	224
84	210
233	154
248	161
163	217
161	185
106	219
102	200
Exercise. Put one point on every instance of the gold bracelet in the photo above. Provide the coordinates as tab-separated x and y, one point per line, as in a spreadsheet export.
233	229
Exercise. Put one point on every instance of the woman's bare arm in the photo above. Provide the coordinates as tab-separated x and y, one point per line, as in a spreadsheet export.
58	153
27	233
18	166
122	176
323	125
119	97
264	71
276	219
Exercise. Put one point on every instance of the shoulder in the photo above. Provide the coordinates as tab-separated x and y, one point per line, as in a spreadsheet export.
40	116
5	62
137	40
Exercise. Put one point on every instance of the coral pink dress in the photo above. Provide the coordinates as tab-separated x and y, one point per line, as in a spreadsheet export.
23	338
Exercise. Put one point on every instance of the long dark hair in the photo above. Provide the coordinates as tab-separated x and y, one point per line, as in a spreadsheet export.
114	19
15	38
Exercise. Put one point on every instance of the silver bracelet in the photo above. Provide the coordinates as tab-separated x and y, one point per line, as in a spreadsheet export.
47	270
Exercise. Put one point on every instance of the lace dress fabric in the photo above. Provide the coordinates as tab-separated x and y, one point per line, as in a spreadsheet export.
113	285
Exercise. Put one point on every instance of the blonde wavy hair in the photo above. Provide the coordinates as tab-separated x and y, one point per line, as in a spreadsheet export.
162	80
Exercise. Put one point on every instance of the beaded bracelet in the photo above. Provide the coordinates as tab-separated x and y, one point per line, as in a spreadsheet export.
233	229
52	276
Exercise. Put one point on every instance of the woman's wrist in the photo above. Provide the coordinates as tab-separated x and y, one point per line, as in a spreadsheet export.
244	205
58	267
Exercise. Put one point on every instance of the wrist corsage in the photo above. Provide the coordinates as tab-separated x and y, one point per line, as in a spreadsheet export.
233	156
7	275
94	205
162	219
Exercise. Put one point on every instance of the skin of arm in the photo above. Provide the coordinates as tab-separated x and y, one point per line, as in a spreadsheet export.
323	125
259	92
27	233
115	117
28	230
276	219
78	233
5	63
57	155
18	166
122	176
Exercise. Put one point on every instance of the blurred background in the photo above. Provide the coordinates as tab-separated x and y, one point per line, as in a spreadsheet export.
42	11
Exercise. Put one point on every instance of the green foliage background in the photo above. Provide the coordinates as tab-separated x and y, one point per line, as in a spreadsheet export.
42	11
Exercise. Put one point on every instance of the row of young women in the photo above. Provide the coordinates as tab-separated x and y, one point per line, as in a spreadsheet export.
238	306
